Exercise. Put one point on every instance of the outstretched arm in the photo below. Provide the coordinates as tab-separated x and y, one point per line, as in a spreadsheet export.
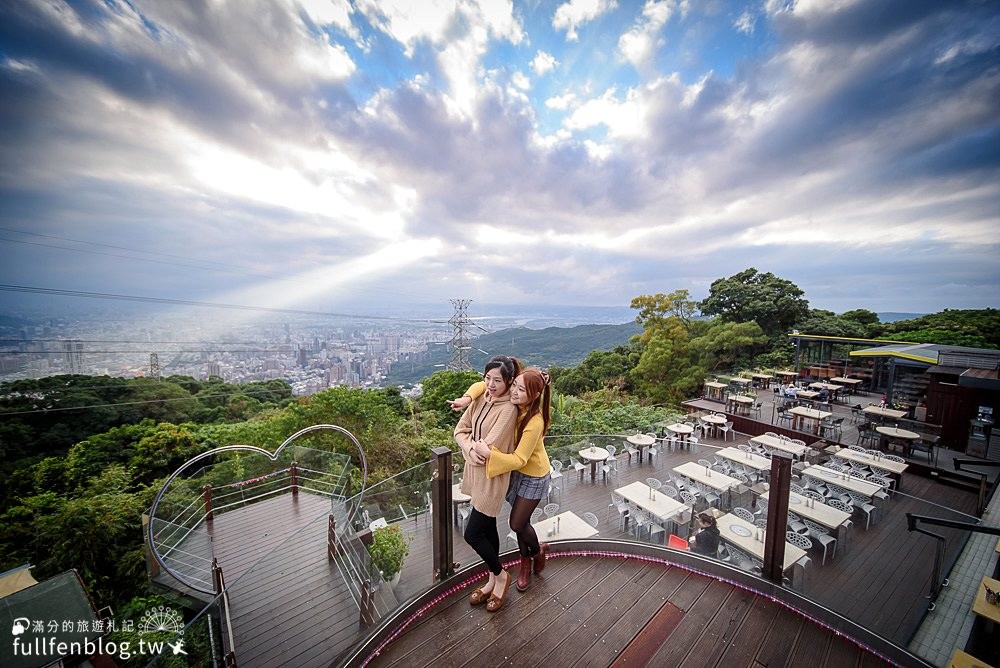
475	390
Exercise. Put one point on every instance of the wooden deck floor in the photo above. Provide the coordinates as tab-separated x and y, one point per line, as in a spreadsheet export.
294	608
622	612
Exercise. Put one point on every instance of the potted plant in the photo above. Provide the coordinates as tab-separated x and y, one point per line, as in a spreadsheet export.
388	549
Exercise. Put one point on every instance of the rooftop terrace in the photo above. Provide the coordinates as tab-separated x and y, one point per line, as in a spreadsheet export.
609	600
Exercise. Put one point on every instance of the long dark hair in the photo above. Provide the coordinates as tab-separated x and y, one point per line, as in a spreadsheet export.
536	385
509	367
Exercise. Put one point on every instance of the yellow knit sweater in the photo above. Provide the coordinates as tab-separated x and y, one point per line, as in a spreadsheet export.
529	458
492	422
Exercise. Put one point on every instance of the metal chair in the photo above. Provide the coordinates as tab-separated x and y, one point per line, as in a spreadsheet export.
621	506
555	478
795	524
591	519
630	450
744	514
862	505
551	509
727	429
820	535
926	445
653	451
799	540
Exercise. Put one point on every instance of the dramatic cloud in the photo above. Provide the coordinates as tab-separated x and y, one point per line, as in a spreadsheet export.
395	154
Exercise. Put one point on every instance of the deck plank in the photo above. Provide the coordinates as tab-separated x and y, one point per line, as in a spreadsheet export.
721	630
864	582
686	642
749	638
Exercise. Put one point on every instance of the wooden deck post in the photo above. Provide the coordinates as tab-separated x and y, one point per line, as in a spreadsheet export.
206	493
331	537
294	472
217	578
443	538
777	517
367	603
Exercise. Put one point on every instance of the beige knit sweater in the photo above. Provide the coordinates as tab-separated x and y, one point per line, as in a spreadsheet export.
493	422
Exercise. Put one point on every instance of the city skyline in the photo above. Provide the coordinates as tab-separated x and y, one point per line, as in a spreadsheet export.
381	157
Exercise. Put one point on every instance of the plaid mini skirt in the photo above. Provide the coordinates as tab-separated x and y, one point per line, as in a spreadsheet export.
527	487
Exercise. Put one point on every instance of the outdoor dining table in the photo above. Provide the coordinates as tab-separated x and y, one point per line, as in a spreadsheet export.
903	436
563	526
829	386
751	459
884	412
871	460
807	394
641	441
817	511
715	389
680	430
809	413
847	481
795	449
720	482
715	420
594	455
877	461
744	403
787	374
658	504
742	382
849	384
980	606
763	379
744	536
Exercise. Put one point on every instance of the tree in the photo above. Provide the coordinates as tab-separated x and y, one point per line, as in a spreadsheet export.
977	328
601	368
773	303
441	386
826	323
727	345
668	369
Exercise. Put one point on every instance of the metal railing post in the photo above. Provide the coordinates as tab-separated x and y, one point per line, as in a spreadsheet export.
367	603
331	537
206	493
911	525
777	518
443	538
294	473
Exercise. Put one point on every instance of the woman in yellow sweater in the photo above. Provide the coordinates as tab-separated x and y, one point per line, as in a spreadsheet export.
489	422
528	466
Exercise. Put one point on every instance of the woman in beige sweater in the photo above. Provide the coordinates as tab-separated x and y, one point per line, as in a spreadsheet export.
489	421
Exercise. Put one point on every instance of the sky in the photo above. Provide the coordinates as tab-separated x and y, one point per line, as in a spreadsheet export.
376	155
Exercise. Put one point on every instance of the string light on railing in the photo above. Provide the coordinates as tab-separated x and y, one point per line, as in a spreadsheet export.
606	554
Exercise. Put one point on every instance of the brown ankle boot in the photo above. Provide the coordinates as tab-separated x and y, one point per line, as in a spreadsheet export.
539	559
524	574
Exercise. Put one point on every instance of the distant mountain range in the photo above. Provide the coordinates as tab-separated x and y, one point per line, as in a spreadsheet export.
893	317
551	346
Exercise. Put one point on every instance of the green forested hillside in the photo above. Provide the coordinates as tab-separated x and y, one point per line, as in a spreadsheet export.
552	346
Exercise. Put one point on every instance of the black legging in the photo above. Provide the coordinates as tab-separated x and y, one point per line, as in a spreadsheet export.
481	533
520	523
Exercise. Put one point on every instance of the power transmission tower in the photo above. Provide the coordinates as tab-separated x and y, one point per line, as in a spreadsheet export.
459	344
154	366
